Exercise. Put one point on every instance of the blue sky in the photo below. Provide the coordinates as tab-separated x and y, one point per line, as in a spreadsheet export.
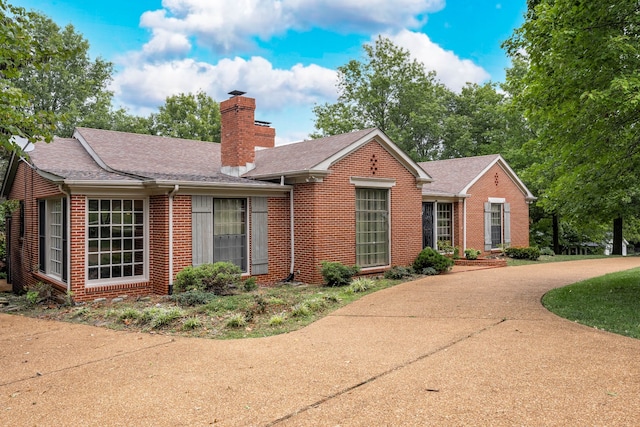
283	53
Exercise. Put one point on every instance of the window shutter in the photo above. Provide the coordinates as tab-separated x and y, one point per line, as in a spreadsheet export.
259	236
65	243
487	226
42	237
507	224
202	229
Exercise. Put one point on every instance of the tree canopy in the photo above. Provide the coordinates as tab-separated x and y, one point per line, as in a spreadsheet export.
17	52
66	82
194	116
581	92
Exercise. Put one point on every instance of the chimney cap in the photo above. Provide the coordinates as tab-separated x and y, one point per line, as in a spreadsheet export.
236	93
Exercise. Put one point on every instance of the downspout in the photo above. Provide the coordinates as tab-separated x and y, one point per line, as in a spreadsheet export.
291	234
464	223
171	194
68	197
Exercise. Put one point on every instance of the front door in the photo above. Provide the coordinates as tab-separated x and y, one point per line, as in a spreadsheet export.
427	224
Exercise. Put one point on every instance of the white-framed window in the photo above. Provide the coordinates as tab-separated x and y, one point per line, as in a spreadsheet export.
116	248
372	227
52	238
445	222
497	224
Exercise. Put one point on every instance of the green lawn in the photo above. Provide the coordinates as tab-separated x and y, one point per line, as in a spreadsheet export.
556	258
610	302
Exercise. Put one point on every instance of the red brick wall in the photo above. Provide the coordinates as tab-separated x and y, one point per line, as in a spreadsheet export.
279	227
325	212
496	183
181	233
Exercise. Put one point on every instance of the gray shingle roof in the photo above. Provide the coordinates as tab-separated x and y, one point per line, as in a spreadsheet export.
450	177
302	156
154	157
66	158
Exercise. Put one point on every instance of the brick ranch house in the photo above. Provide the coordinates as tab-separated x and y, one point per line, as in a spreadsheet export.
107	213
475	202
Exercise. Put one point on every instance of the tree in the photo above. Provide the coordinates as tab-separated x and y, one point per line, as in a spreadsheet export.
581	92
64	83
390	91
476	124
188	116
17	51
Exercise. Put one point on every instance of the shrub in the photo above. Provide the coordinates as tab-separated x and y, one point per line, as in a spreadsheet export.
547	252
191	323
277	319
429	271
237	321
430	258
220	278
361	284
192	298
528	253
398	272
471	253
40	292
337	274
250	284
316	304
300	310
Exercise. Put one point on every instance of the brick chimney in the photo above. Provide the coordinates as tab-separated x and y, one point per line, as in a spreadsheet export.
241	134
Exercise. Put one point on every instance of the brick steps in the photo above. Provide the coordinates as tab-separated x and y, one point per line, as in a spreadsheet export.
482	262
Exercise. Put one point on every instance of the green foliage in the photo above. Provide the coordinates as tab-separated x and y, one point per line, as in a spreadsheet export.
20	51
471	254
300	310
391	91
445	246
250	284
428	257
237	320
192	297
546	251
191	323
456	253
579	91
429	271
66	83
220	278
39	293
398	272
361	284
337	274
530	253
192	116
277	319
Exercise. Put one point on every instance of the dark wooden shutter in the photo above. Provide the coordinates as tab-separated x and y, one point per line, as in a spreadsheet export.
259	236
42	236
65	243
202	232
487	226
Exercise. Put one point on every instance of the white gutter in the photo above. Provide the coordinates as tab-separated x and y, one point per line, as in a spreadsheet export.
68	236
291	222
464	223
171	194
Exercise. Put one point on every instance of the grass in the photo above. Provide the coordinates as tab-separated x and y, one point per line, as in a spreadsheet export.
610	302
557	258
257	313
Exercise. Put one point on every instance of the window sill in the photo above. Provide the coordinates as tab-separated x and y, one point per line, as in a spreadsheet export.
53	281
103	283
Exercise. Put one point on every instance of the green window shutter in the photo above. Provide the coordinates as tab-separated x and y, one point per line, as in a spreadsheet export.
259	236
487	226
507	224
202	229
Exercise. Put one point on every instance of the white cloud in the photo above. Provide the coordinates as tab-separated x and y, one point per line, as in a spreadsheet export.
145	86
451	70
230	25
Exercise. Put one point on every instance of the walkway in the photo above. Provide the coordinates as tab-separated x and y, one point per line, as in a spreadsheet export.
467	348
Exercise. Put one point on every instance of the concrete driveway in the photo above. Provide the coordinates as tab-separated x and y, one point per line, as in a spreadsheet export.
465	348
